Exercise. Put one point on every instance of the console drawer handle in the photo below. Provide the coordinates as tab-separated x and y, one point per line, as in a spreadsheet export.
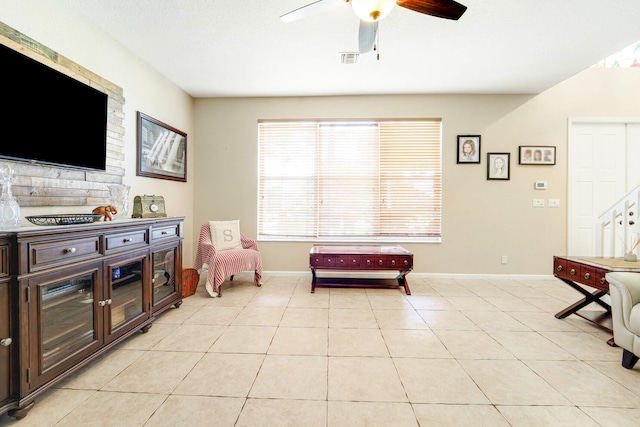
70	250
127	240
6	342
603	280
393	262
559	268
572	272
406	262
380	262
587	276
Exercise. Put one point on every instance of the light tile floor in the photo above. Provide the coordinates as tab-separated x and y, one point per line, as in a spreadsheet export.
455	353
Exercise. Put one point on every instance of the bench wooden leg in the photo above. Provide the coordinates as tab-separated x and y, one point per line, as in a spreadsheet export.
402	281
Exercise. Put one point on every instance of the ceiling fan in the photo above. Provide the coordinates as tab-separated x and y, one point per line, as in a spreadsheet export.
371	12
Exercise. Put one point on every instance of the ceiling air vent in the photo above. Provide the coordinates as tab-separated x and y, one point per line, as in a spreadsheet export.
349	57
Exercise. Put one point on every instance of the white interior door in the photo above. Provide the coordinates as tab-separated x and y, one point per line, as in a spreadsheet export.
597	179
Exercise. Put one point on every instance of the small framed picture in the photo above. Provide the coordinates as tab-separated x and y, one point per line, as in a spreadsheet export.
468	148
498	165
537	155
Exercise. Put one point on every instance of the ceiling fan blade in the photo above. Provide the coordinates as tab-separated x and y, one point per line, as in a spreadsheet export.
447	9
367	36
310	9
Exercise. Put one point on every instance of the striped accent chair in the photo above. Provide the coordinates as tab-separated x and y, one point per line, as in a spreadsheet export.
219	265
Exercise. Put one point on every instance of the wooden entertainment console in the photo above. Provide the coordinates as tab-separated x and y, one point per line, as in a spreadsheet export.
70	293
363	258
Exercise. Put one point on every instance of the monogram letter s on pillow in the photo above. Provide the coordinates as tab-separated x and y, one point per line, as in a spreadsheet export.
225	235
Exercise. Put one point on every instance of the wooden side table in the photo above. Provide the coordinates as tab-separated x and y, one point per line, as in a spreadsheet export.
578	272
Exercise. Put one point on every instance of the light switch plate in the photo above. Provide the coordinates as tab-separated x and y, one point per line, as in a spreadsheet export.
538	203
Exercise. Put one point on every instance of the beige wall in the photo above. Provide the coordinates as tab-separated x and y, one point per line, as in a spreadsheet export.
144	90
482	220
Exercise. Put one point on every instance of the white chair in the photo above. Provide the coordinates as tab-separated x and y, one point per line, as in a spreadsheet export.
624	288
220	264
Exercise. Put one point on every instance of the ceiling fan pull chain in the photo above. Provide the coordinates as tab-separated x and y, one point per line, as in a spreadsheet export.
376	46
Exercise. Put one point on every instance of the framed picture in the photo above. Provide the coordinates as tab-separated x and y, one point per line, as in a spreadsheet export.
468	148
536	155
162	150
498	165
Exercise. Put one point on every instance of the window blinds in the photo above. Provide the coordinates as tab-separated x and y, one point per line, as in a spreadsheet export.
349	180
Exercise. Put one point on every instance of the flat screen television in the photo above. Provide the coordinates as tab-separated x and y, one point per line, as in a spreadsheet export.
50	118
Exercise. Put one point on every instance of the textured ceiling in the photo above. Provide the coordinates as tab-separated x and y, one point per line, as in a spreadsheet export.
231	48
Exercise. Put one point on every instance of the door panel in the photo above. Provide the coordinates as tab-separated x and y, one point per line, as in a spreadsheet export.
597	178
633	154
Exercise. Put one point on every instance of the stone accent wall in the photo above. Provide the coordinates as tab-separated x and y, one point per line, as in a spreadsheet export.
35	185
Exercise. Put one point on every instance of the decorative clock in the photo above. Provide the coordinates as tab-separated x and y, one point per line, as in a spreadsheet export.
148	207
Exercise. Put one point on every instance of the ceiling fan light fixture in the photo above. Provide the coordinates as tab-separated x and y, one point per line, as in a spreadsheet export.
372	10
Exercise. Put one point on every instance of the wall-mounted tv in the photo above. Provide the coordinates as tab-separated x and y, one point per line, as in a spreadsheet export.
48	117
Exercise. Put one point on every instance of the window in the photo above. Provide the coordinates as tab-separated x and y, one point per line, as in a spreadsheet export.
627	57
350	180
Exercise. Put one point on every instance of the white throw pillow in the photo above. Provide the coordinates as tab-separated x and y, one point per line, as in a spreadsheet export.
225	234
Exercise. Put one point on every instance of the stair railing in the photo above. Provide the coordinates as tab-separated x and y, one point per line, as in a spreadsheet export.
616	225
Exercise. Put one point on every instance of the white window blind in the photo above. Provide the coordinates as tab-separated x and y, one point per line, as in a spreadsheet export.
349	180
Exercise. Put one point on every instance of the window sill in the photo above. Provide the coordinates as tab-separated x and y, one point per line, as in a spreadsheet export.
354	240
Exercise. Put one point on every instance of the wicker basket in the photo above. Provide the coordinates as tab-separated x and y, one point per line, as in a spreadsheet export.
190	279
67	219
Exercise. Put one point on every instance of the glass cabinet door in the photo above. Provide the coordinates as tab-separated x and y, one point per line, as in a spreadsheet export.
126	293
5	343
163	279
68	321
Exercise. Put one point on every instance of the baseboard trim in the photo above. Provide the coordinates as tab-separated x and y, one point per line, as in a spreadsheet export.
432	275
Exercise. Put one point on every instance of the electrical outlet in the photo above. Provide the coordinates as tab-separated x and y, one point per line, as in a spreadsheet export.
538	203
504	259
